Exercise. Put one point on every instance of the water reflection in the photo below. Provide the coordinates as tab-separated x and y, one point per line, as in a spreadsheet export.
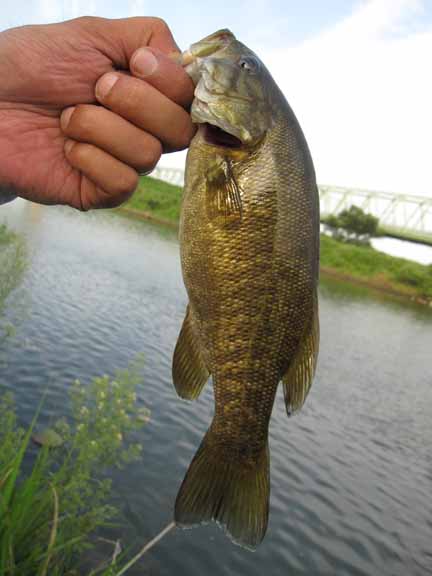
341	291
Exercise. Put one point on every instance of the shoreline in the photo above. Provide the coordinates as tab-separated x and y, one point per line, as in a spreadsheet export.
384	287
143	215
375	285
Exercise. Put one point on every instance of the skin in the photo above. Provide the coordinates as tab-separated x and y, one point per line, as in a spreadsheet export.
86	106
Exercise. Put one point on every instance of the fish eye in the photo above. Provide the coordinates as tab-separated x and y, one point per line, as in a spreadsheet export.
248	64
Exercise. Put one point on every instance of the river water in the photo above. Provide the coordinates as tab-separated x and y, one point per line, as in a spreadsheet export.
351	474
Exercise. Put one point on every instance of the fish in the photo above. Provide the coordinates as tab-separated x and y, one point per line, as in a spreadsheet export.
249	250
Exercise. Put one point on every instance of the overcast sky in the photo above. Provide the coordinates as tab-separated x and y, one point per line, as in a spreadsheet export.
357	73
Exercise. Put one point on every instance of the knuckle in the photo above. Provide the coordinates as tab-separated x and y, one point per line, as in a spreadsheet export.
159	25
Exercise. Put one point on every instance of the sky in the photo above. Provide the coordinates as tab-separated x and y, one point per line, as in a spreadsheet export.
356	72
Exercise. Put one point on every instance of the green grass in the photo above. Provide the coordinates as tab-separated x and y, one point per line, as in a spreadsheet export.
48	515
381	270
412	236
160	199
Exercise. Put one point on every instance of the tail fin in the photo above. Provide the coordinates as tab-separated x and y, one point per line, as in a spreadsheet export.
232	493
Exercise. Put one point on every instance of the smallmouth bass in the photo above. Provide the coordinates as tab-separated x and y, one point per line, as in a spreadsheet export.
249	244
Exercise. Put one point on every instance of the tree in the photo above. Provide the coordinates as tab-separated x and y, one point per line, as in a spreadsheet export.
353	224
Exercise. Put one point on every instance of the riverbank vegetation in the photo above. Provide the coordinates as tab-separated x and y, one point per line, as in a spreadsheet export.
156	199
161	201
379	270
53	499
13	259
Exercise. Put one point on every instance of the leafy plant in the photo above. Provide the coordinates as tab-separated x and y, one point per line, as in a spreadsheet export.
48	517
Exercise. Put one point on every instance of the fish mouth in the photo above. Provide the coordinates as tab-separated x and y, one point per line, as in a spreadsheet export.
217	137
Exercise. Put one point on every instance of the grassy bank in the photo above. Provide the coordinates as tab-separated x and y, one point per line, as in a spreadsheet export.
368	266
157	200
160	201
417	237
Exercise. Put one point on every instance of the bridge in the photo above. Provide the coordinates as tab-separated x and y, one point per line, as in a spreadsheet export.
401	215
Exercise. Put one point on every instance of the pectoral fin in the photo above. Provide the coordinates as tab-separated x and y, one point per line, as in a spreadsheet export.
298	379
224	194
189	370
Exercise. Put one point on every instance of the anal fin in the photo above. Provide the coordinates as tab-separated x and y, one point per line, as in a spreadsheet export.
189	371
298	379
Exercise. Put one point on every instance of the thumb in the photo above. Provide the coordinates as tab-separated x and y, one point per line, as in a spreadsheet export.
164	74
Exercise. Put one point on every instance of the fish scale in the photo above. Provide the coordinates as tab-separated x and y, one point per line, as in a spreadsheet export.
249	245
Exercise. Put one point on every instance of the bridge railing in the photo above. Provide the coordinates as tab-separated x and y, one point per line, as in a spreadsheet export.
402	211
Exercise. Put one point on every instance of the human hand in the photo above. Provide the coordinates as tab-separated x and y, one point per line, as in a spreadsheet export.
58	145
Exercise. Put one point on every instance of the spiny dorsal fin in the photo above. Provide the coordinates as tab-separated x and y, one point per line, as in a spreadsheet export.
298	379
189	370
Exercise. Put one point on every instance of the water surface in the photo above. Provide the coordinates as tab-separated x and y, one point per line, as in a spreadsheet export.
351	474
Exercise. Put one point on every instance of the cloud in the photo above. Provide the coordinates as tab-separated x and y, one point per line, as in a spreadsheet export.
138	8
362	93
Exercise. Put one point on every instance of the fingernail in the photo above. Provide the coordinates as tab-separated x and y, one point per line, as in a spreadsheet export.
144	63
65	117
105	85
69	144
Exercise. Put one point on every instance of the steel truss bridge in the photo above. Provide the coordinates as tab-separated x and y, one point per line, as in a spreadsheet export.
403	215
